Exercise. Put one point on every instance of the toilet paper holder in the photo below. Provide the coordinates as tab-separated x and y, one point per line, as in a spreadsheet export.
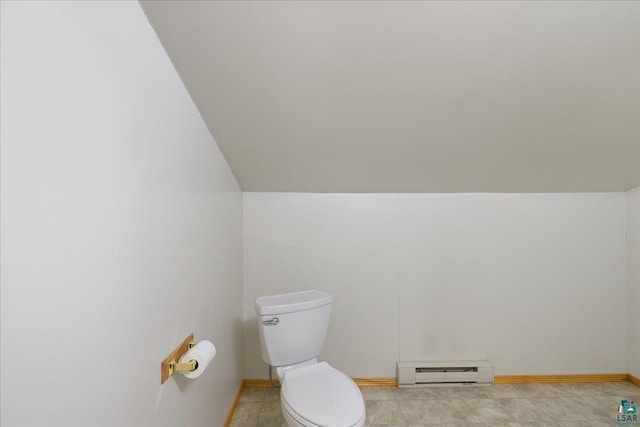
170	364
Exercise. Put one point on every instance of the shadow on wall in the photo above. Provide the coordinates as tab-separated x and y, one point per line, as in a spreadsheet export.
252	340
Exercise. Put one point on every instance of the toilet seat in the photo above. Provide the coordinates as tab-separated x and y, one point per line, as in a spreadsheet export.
320	395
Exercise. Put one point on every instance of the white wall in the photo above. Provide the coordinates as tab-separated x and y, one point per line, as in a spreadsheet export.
633	278
121	226
532	282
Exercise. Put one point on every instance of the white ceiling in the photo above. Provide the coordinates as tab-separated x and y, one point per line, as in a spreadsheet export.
439	96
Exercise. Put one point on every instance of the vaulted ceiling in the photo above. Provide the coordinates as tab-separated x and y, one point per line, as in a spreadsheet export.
434	96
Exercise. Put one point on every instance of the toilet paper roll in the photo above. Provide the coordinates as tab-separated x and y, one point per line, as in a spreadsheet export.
203	353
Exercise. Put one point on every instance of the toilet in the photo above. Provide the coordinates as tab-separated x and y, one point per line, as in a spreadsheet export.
292	330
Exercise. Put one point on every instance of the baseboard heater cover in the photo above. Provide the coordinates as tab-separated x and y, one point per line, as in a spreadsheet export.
444	373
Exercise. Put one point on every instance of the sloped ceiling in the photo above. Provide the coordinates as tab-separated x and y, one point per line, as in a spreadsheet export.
438	96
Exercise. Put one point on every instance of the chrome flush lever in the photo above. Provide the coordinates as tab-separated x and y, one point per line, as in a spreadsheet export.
272	322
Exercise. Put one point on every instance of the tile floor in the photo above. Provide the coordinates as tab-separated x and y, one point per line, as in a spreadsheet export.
560	405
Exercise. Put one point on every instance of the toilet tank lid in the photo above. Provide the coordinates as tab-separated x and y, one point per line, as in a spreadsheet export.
292	302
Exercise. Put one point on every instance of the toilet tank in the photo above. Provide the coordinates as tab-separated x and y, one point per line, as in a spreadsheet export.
293	326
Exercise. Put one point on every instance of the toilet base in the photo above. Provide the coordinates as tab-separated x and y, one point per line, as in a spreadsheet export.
290	421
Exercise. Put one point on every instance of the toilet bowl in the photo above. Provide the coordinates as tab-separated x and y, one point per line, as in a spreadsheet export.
320	395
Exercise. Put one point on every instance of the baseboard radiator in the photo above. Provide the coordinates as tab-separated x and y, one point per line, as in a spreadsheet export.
444	373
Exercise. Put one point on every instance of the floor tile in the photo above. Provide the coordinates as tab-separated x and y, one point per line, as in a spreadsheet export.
620	388
473	392
537	424
500	391
509	405
377	393
425	393
582	408
436	411
253	394
581	389
540	389
613	402
450	425
489	410
384	412
246	414
524	410
586	424
271	415
272	394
